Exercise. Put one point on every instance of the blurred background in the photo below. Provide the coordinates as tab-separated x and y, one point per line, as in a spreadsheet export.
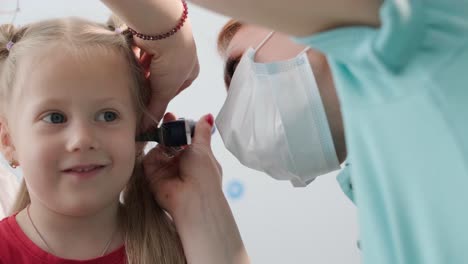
279	223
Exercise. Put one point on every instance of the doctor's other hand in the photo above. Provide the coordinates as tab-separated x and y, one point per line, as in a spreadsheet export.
178	178
187	184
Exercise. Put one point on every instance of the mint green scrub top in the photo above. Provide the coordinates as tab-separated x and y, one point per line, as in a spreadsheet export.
403	89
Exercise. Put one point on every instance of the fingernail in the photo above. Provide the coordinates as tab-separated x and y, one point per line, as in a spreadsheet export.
210	119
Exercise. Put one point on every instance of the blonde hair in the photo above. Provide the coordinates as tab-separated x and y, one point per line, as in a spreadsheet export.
149	233
225	37
226	34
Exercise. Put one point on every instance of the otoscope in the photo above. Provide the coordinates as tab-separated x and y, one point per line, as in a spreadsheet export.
175	133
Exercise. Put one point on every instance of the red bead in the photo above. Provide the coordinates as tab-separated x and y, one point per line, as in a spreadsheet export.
170	32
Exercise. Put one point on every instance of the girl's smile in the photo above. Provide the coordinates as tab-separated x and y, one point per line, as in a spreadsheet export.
85	171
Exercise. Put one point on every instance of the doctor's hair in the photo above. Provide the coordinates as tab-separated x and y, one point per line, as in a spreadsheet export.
225	36
150	235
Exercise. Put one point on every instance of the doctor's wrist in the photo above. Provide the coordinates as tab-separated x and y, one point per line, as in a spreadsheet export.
150	17
199	205
209	233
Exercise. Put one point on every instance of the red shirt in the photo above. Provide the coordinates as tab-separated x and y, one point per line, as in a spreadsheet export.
17	248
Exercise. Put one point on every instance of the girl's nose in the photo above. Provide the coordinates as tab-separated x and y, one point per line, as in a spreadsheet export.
82	137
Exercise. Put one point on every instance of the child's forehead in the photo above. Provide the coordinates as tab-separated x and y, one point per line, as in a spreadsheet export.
58	67
63	55
74	52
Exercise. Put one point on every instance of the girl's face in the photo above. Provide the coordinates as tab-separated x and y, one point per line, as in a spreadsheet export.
73	129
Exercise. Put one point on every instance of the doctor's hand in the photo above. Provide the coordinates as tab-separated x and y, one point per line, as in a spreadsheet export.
187	184
171	65
178	178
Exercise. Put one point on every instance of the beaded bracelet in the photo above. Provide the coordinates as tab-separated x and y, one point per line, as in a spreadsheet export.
167	34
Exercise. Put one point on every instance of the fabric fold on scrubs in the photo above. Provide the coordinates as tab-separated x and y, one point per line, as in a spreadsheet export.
344	180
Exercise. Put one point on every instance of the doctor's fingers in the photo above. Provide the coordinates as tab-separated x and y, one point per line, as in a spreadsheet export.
161	163
161	155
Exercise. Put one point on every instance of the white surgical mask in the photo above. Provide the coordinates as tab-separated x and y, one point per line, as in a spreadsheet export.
273	120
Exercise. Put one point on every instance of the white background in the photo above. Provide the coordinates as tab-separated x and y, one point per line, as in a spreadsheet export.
279	224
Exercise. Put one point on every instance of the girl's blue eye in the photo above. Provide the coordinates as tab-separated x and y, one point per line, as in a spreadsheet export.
55	118
107	116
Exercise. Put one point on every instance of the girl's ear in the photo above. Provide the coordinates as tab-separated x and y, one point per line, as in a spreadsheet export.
6	144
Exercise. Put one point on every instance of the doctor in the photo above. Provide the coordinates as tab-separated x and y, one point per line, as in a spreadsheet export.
397	67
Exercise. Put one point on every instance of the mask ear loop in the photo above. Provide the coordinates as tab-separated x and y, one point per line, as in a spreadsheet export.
264	41
268	37
305	50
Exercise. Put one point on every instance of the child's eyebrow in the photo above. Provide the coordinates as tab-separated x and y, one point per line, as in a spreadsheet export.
42	103
109	100
47	102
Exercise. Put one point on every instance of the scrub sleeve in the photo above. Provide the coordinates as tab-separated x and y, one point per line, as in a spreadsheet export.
403	89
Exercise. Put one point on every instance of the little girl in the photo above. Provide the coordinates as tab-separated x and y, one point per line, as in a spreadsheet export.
72	98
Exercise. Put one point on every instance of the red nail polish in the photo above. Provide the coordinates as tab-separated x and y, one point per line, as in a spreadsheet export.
210	119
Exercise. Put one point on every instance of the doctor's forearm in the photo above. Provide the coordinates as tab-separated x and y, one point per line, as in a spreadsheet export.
298	17
209	232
